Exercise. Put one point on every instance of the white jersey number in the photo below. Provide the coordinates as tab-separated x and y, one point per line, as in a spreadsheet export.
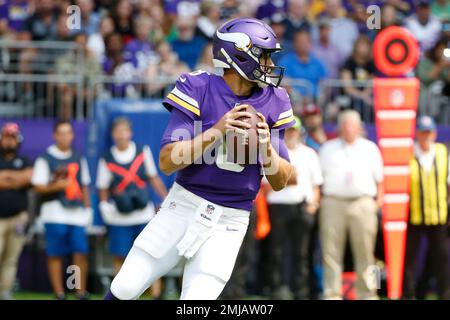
222	161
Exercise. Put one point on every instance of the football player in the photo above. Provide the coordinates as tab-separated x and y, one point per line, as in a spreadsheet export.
203	220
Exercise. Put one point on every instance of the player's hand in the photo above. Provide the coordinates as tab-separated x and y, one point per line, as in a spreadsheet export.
229	120
311	208
263	131
61	184
14	182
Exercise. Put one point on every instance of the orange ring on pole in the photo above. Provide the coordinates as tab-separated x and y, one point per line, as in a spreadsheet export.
396	51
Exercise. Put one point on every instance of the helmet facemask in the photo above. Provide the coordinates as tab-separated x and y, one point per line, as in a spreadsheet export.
264	74
267	73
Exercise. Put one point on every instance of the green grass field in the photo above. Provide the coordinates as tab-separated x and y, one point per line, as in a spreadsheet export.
45	296
49	296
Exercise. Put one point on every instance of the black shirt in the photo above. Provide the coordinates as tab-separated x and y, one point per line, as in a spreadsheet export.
360	72
294	26
13	201
41	30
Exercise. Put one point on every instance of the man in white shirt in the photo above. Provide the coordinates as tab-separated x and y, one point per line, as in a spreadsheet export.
352	169
131	208
61	178
292	213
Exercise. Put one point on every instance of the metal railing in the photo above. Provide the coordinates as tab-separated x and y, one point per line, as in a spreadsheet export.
32	85
37	95
333	96
433	102
300	91
35	56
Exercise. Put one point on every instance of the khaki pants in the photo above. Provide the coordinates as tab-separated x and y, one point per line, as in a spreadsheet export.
11	244
357	218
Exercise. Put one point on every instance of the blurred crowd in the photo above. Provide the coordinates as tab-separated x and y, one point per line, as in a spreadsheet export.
152	40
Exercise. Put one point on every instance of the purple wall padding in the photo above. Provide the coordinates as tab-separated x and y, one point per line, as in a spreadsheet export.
37	135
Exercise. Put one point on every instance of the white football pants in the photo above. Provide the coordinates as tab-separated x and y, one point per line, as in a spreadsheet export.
154	252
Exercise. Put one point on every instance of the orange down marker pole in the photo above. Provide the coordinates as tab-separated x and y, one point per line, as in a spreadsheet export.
396	53
262	213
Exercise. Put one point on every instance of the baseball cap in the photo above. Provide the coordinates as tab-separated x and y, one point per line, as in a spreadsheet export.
323	22
425	123
10	128
310	109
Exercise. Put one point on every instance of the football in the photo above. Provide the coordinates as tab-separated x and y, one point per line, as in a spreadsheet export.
243	149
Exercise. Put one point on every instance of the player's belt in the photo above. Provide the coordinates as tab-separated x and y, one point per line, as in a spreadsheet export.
196	200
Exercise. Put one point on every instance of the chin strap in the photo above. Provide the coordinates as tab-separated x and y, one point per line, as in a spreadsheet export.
234	65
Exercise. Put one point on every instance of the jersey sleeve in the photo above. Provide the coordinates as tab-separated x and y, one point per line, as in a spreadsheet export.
279	144
448	170
316	172
377	163
179	128
186	96
41	172
282	116
149	162
104	176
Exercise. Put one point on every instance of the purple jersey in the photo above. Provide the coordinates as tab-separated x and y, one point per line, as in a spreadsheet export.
15	12
140	53
205	97
182	7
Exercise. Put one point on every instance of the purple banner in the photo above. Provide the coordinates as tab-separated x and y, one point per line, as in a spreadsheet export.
38	135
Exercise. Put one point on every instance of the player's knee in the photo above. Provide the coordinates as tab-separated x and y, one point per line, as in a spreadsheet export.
124	289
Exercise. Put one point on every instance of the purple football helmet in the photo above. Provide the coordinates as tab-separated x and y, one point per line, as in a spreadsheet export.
243	44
